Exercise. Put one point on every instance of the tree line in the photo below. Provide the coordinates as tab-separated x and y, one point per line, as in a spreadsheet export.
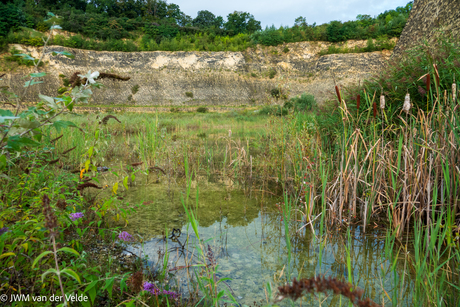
158	25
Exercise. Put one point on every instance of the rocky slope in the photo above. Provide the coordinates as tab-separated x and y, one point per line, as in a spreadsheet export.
206	78
428	19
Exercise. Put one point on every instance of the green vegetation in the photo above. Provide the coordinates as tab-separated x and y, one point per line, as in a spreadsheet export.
202	110
381	43
158	25
385	154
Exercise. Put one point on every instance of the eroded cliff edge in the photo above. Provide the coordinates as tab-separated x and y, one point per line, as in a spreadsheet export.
427	20
213	78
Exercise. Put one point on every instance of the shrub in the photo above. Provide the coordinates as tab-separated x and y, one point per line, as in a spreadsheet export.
135	89
286	49
202	110
273	110
189	94
254	75
20	60
275	93
304	102
272	72
288	105
42	26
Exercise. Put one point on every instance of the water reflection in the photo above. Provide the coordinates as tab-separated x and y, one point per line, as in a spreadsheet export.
248	241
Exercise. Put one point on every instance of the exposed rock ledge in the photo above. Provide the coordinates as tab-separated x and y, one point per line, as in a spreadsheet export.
214	78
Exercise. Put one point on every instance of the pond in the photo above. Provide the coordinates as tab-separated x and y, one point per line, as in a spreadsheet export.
245	232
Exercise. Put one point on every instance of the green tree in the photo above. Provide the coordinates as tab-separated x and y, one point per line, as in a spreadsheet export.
300	22
241	22
11	17
204	19
335	31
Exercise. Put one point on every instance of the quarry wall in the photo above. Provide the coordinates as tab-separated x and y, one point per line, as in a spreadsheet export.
204	78
427	20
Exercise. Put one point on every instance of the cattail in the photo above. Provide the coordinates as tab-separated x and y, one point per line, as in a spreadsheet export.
437	74
454	92
382	102
406	105
427	83
338	94
358	101
375	109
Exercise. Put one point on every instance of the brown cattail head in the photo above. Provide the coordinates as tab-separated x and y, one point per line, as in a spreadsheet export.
375	109
427	83
51	222
382	102
337	91
436	74
358	101
406	105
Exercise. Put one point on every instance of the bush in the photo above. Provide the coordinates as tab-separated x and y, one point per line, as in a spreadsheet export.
273	110
202	110
275	93
304	102
20	60
189	94
135	89
271	73
42	26
288	105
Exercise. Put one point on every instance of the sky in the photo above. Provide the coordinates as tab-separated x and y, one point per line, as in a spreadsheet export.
284	12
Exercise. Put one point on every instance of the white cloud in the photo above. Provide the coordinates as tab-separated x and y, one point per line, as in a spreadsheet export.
284	12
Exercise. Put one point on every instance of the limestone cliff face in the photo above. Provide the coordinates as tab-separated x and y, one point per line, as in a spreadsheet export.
426	18
213	78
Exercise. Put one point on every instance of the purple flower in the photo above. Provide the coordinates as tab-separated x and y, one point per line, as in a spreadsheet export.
124	236
150	287
3	230
76	216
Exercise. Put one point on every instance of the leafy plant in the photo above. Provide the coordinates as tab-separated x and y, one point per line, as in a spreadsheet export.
202	110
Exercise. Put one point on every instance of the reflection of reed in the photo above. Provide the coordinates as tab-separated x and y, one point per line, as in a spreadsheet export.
323	284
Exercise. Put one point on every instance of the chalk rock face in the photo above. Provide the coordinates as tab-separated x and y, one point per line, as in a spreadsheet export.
163	78
427	19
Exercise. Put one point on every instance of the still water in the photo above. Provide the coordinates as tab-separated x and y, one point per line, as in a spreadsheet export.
245	232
